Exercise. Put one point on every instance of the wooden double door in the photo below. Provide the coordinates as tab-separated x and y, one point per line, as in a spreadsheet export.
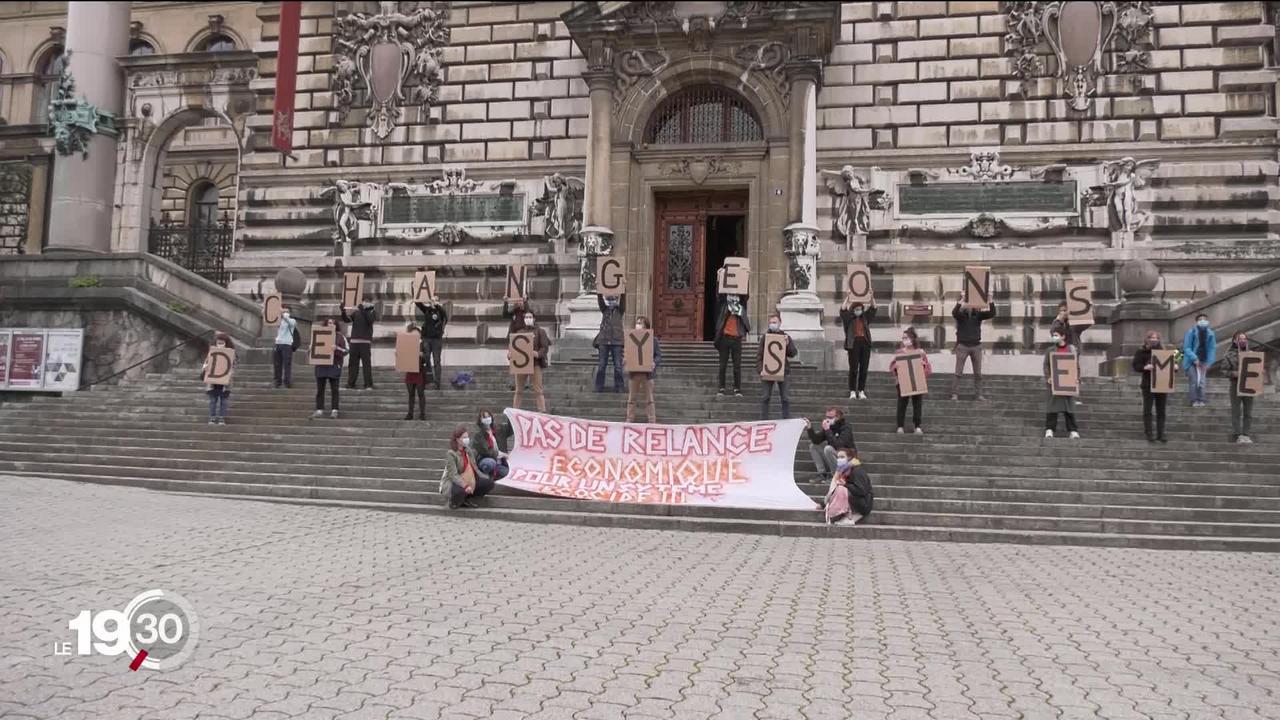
695	233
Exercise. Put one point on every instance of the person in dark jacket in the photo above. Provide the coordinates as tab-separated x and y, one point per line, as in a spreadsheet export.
514	312
775	327
462	479
1072	333
434	319
487	443
361	320
219	395
542	350
835	434
731	329
1241	405
856	320
609	339
849	496
1058	404
415	382
969	345
1142	364
331	374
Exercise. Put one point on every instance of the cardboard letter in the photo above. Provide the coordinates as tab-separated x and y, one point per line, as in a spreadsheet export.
773	367
521	353
424	286
1079	302
909	369
1250	381
734	277
637	353
408	347
323	344
611	276
1162	371
220	362
271	305
857	283
515	283
1064	373
977	287
352	289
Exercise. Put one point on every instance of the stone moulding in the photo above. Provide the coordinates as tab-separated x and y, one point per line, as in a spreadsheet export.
699	168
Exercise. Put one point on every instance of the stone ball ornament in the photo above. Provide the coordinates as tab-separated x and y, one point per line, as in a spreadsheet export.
1138	276
291	281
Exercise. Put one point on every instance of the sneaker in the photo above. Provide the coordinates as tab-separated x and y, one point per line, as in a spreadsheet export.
318	413
422	418
222	421
1163	439
737	392
468	504
982	398
862	394
288	386
1075	435
853	395
919	431
720	392
213	421
1245	440
850	519
1048	433
901	431
408	415
334	415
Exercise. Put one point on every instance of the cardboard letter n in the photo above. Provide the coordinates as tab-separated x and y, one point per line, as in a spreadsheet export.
977	287
515	283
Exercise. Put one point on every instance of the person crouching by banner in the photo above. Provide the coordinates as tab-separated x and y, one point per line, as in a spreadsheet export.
640	384
331	374
826	442
910	343
462	479
1241	405
219	395
416	382
849	497
1058	404
487	443
541	349
775	327
1142	364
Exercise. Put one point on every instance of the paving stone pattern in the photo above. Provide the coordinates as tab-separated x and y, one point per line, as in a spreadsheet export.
314	612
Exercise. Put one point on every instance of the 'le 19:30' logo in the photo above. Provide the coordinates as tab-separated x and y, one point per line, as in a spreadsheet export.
158	630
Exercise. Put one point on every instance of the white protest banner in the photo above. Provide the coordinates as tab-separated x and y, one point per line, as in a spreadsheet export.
743	465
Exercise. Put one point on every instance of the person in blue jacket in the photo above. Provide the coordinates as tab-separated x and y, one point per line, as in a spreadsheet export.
1199	350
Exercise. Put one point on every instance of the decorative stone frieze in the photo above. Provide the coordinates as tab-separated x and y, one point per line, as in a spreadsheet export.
73	120
699	168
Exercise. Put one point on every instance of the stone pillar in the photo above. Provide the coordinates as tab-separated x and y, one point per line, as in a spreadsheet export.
84	185
596	237
800	307
1138	313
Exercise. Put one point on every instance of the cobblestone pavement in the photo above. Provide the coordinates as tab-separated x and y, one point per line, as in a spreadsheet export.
312	612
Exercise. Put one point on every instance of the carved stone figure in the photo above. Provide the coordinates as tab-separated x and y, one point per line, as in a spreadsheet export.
351	204
855	200
560	207
389	51
800	244
1123	178
74	121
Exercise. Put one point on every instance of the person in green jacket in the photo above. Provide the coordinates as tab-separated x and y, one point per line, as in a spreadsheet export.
462	480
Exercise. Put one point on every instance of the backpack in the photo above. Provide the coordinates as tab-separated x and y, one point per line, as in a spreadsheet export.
861	497
297	339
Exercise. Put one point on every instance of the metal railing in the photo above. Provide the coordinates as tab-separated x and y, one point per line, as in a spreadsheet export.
202	336
202	249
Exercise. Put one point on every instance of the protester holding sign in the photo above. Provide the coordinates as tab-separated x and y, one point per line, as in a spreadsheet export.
487	442
1058	404
909	347
770	355
361	319
731	328
462	478
1199	350
856	320
434	319
640	383
219	393
1241	405
540	351
514	311
834	435
1143	363
608	341
331	372
282	353
415	381
1063	325
969	345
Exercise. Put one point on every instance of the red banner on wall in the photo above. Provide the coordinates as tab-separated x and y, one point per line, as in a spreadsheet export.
286	76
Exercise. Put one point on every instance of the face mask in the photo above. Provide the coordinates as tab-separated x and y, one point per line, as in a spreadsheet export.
285	314
1154	344
773	326
464	441
221	344
906	342
486	421
858	312
842	463
528	319
735	307
1202	323
640	326
1242	343
611	302
1058	339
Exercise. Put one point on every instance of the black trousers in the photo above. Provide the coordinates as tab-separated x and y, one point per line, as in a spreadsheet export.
1051	421
420	391
1160	401
859	362
731	346
782	395
361	353
457	495
333	385
434	347
917	409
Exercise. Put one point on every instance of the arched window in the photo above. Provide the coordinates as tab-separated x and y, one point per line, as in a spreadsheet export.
141	47
47	71
203	211
703	114
216	42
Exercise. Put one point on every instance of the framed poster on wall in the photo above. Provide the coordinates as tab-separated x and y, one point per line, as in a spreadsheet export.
62	359
41	359
26	355
4	358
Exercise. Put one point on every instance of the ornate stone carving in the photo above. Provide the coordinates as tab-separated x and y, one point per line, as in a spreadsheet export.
389	51
450	234
801	246
631	66
593	241
984	166
74	121
767	58
203	76
699	168
560	207
984	226
353	202
452	181
1118	192
1079	34
855	199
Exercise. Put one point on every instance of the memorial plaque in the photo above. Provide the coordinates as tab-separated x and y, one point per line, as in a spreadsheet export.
475	209
969	199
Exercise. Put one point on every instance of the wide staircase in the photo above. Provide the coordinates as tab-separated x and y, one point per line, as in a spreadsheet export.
982	473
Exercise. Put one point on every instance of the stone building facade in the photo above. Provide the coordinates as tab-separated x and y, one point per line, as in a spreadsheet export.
1048	141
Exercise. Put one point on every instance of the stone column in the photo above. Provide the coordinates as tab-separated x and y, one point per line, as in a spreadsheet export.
84	184
596	237
1138	313
800	307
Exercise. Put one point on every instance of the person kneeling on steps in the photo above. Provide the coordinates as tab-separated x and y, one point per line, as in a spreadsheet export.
462	480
